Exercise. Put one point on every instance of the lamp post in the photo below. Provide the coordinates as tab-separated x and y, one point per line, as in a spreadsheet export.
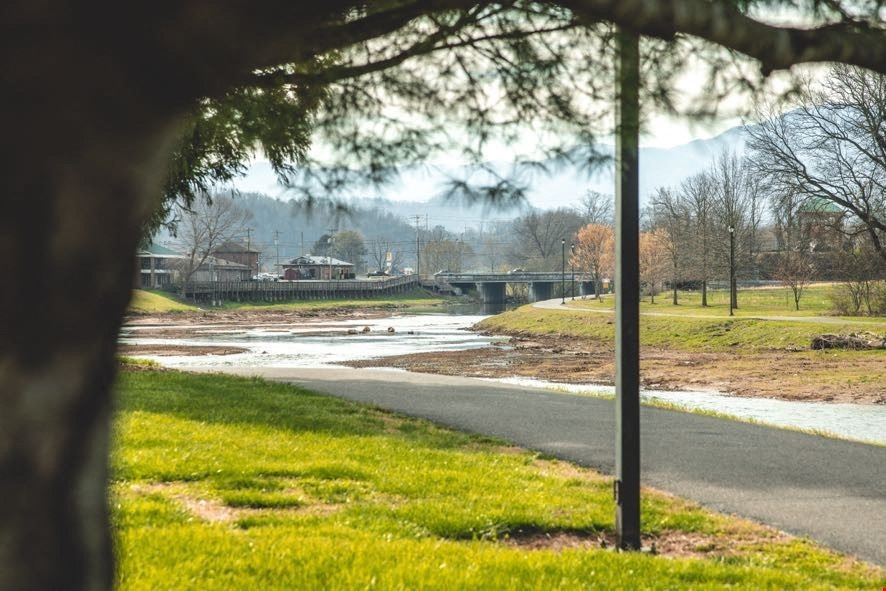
572	267
627	288
731	269
563	272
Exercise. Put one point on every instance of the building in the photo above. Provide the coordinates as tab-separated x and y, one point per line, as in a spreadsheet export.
237	252
217	269
157	267
317	267
821	224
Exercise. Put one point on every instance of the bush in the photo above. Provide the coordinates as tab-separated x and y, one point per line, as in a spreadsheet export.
859	298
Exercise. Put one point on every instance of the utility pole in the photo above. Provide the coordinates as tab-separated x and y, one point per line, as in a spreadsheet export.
302	253
563	271
627	290
328	247
277	248
249	248
417	247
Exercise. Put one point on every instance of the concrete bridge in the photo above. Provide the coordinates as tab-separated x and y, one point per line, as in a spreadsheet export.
492	287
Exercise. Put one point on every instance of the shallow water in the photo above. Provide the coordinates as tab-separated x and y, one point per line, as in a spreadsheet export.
862	422
319	344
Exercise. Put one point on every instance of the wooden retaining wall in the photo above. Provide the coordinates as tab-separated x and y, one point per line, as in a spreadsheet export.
278	291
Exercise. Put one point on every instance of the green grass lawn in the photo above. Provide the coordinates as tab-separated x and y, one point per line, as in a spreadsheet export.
156	302
752	302
693	334
689	326
232	483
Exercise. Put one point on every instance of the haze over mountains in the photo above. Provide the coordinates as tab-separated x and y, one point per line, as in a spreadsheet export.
419	191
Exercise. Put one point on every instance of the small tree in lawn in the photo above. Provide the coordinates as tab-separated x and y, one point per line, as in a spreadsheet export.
653	260
595	253
795	270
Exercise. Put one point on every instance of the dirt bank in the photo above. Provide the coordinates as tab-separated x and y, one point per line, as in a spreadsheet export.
188	350
788	375
255	316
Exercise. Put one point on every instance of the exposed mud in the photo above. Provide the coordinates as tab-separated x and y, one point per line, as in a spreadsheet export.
673	544
190	350
820	376
255	316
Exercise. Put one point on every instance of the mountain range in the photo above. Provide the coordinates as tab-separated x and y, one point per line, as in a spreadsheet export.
418	191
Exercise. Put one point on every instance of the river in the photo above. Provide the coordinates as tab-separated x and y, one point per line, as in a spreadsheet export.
327	343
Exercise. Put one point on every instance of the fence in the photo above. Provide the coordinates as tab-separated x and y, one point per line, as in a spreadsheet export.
273	291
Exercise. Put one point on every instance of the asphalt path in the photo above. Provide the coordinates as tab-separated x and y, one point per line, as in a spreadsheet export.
829	490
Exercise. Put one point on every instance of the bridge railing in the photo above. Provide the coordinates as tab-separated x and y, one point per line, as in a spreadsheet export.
525	277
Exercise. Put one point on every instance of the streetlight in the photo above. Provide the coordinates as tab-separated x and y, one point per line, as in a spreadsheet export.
563	272
572	265
731	269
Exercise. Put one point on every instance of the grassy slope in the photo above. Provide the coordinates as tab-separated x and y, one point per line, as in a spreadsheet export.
741	333
320	493
150	302
155	302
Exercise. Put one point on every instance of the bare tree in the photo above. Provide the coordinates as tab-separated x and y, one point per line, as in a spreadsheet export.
697	194
538	236
832	148
445	255
385	255
737	199
671	219
597	208
595	253
863	280
204	228
795	271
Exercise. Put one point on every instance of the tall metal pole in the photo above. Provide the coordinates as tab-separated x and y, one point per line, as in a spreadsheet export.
627	291
731	269
563	272
572	267
277	248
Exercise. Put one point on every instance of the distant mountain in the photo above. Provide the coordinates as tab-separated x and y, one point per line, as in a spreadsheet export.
417	191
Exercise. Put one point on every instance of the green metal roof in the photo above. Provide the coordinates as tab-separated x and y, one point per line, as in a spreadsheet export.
820	205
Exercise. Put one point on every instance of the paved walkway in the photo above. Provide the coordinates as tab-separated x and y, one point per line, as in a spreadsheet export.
556	304
830	490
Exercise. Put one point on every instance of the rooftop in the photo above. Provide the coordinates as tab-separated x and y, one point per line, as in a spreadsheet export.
310	259
155	250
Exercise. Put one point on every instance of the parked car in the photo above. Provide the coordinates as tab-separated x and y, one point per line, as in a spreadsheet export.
517	270
378	273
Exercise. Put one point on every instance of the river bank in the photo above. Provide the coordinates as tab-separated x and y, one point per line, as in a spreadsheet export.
784	388
812	376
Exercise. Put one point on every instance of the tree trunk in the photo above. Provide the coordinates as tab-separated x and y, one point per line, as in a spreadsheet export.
79	184
675	285
704	293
